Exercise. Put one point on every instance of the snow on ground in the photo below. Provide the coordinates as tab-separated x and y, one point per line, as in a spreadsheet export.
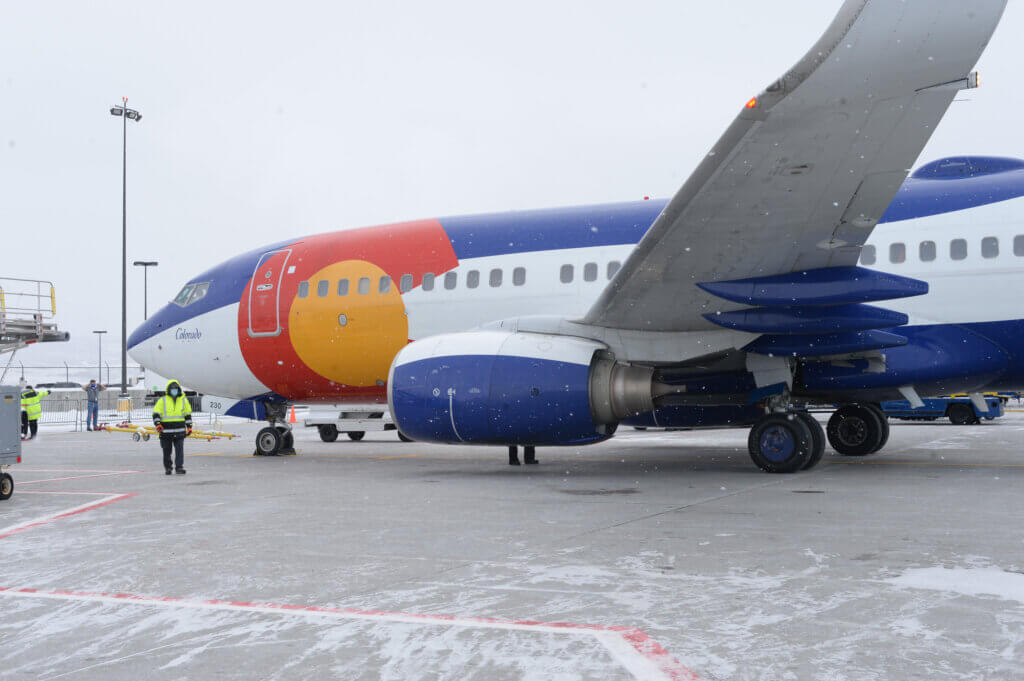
966	581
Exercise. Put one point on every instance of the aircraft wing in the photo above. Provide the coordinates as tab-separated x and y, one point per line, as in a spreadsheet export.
803	174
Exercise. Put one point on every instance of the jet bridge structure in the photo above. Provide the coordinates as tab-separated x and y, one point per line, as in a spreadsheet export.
28	310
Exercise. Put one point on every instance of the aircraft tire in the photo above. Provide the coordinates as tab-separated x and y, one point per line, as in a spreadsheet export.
780	443
817	440
6	486
883	421
854	430
269	441
402	437
328	432
356	435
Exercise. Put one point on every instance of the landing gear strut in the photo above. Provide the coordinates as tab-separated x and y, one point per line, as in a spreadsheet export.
276	439
858	429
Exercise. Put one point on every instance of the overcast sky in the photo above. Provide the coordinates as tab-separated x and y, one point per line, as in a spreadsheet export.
265	121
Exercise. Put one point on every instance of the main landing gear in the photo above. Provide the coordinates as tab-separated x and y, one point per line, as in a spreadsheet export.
786	442
858	429
277	438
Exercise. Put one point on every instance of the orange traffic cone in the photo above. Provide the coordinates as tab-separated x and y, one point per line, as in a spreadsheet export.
291	417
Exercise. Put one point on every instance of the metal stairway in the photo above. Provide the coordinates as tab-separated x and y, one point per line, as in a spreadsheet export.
28	308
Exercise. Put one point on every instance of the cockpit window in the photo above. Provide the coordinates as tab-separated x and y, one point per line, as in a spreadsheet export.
183	296
191	293
199	292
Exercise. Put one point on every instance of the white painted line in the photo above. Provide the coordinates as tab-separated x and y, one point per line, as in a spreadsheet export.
637	652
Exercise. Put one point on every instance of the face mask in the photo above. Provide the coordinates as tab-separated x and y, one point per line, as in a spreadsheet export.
174	392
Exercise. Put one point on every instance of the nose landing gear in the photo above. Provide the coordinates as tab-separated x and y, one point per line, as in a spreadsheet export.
277	438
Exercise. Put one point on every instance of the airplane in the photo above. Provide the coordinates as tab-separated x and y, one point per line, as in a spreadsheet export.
751	293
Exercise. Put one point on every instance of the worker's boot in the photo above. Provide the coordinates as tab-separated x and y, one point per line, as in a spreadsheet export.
180	471
530	456
167	471
513	456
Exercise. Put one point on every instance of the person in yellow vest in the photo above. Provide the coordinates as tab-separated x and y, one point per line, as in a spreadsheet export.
172	415
31	410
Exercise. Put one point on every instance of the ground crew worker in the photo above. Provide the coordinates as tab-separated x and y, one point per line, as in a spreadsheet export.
172	415
92	394
31	410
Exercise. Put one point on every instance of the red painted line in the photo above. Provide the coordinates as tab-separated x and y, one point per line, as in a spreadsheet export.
8	531
642	643
76	477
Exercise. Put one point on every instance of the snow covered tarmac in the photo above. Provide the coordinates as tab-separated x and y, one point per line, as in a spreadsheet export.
903	565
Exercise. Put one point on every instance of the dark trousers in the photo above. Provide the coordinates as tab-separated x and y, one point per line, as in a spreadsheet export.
28	424
178	442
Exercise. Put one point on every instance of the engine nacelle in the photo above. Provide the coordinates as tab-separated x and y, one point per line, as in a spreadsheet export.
492	387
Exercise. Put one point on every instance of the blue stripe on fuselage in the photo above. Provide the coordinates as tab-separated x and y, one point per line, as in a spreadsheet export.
614	224
933	189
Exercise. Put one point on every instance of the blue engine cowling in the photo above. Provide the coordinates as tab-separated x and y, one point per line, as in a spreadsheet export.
488	387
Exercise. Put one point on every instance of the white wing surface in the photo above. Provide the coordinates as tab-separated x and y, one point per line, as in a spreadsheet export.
806	170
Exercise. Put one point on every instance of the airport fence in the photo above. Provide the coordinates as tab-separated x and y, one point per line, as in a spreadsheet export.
74	412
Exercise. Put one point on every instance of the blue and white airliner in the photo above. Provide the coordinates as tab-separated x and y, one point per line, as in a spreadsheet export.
800	263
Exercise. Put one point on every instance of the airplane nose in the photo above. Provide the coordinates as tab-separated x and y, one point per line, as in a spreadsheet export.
140	342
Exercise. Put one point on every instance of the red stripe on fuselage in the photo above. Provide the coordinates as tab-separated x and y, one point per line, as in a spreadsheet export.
414	248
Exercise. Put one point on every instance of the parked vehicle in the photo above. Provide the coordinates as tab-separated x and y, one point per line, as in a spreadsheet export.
960	410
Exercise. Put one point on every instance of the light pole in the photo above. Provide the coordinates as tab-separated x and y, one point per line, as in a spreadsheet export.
145	265
99	359
126	114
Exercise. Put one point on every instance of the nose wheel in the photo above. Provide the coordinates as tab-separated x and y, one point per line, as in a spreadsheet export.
275	441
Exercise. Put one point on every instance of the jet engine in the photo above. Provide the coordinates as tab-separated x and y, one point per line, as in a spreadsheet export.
491	387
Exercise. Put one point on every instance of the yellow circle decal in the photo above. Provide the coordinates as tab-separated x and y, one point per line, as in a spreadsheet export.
351	338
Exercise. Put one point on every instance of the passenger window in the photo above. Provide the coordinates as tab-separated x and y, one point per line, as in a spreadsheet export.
495	279
405	283
321	288
364	285
565	275
1018	245
927	251
590	271
519	276
183	296
867	255
897	253
303	289
385	284
613	268
428	282
343	287
989	248
958	249
450	280
472	278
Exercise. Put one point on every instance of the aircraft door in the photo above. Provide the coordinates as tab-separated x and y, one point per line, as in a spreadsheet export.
265	294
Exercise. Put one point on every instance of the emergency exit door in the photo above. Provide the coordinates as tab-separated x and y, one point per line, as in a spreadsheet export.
265	293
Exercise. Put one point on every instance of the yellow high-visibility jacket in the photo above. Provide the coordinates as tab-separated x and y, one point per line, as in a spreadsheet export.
30	403
173	413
